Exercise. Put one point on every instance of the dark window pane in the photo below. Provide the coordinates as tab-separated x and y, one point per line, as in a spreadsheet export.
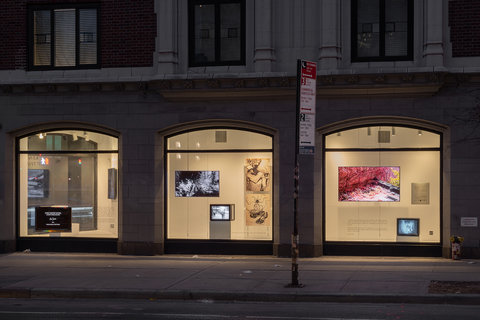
88	36
368	20
41	38
64	37
230	32
396	22
204	34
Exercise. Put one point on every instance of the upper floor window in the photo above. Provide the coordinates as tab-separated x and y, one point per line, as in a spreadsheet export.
63	36
382	30
216	32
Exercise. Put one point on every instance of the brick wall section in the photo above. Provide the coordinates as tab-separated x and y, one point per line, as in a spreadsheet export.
464	22
127	29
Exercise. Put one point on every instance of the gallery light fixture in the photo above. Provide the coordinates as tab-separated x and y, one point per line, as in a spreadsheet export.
419	132
369	131
339	134
41	135
393	131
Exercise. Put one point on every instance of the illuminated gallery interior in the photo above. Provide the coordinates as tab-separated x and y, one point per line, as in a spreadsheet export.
219	185
382	184
69	169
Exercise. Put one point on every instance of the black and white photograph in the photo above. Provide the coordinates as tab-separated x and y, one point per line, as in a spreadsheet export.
197	183
37	183
221	212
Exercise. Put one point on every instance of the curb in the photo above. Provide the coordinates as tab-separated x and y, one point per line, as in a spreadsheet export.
456	299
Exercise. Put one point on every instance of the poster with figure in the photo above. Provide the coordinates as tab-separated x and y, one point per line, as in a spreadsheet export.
257	175
258	210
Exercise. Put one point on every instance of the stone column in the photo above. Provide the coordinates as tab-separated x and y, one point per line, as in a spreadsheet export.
330	50
264	54
433	47
167	33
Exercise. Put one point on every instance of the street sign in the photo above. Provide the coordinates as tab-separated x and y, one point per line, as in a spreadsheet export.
307	104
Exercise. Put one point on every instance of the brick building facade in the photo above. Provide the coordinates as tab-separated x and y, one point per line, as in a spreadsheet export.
163	127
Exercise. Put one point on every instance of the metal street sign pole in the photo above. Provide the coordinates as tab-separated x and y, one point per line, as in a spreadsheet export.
304	143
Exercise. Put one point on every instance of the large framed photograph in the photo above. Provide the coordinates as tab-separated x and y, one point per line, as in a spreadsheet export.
38	183
408	227
374	184
222	212
197	183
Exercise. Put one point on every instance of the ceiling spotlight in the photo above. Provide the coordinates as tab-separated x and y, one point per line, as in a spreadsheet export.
419	132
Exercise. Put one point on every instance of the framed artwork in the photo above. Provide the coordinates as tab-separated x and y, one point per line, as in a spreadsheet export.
222	212
197	183
258	175
38	183
408	227
374	184
258	210
112	183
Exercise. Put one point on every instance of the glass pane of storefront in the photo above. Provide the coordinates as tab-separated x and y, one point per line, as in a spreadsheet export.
388	192
69	169
215	194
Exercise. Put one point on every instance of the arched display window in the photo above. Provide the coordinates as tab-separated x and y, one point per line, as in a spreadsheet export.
383	184
219	185
67	184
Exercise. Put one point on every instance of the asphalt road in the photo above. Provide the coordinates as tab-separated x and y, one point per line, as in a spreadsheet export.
187	310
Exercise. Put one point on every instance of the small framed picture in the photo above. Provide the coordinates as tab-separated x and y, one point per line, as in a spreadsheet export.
408	227
222	212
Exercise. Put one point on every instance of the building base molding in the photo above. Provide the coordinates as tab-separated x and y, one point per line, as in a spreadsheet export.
139	248
7	246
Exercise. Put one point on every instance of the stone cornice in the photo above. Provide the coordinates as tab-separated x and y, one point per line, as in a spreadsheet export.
258	88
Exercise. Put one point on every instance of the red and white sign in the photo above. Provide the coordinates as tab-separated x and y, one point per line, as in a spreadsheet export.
308	91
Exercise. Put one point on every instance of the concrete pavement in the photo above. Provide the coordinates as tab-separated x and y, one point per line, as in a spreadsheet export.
246	278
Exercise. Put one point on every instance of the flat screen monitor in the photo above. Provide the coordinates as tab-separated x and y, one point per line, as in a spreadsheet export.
222	212
38	181
408	227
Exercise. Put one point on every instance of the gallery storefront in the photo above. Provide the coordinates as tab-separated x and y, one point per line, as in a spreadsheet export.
67	195
383	190
219	191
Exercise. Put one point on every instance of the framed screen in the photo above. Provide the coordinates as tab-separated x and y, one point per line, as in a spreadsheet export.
375	184
197	183
38	183
222	212
408	227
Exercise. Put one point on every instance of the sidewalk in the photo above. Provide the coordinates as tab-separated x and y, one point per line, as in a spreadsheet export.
246	278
